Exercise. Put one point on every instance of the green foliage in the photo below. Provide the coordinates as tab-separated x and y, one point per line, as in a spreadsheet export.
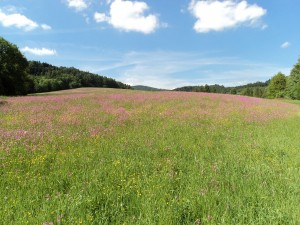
257	89
146	88
247	91
258	92
47	77
13	65
233	91
206	88
293	84
277	86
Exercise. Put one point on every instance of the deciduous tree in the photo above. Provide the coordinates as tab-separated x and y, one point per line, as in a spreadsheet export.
13	65
277	86
293	85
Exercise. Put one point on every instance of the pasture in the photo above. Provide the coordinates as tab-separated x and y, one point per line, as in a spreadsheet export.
108	156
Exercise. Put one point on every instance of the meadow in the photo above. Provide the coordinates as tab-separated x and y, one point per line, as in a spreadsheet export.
109	156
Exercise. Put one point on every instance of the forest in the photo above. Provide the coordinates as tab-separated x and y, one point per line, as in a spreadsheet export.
257	89
18	76
45	77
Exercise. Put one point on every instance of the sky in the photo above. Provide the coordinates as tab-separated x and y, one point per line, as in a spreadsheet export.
163	44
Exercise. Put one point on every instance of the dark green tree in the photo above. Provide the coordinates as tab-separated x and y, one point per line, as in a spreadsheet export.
293	84
258	92
13	65
248	91
277	86
233	91
206	88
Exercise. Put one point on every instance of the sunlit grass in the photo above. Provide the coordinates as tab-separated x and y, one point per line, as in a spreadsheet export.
104	156
292	101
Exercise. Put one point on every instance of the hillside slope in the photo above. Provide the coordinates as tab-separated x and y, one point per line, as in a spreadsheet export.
47	77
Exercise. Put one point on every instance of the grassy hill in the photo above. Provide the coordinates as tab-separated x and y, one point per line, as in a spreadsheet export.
113	156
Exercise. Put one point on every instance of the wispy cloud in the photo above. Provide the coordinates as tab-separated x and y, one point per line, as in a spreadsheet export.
174	69
46	27
10	9
285	45
217	15
129	16
101	17
39	51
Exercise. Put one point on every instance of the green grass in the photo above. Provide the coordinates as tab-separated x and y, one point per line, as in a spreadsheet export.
100	156
292	101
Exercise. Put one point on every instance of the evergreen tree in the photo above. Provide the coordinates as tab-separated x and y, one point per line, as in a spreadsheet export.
206	88
233	91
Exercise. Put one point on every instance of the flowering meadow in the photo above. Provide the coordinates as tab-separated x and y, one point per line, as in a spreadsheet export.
109	156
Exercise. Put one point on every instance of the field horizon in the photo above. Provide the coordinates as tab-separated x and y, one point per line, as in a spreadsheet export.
112	156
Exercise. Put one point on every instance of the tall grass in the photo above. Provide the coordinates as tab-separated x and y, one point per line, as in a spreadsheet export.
103	156
292	101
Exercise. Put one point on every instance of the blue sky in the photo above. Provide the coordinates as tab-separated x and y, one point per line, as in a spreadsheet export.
165	44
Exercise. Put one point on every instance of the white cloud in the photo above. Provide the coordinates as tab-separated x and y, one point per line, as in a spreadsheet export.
79	5
17	20
285	44
11	18
39	51
101	17
45	27
129	16
217	15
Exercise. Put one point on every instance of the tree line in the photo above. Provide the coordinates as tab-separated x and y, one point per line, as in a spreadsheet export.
18	76
279	86
46	77
257	89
